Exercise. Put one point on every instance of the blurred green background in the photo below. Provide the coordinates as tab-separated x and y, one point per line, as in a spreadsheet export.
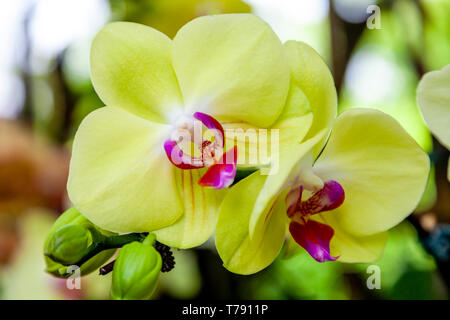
45	91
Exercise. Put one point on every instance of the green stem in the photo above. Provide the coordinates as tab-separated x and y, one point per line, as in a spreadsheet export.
112	242
101	243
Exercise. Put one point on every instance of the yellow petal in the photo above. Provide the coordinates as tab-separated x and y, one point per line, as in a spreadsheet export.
429	196
297	105
239	253
246	138
232	67
382	169
201	206
433	96
131	68
259	146
120	177
311	74
351	248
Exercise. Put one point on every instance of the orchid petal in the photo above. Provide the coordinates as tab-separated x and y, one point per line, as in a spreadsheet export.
120	178
131	68
314	237
433	96
221	175
249	138
297	105
381	168
239	253
200	212
311	74
245	137
232	67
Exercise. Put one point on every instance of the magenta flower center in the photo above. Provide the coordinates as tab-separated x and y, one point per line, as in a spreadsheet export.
312	235
210	152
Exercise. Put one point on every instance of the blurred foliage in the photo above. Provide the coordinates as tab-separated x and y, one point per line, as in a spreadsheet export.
407	272
169	16
24	277
184	281
389	48
436	45
299	277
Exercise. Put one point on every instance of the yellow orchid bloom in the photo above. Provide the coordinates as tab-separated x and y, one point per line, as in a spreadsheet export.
338	206
433	96
131	170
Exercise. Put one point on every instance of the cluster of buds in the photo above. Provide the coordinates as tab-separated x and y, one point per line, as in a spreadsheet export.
75	242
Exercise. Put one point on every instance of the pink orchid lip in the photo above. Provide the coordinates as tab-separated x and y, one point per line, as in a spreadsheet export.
221	173
314	236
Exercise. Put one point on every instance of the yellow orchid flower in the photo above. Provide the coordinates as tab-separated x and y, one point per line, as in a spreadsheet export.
338	206
433	96
133	167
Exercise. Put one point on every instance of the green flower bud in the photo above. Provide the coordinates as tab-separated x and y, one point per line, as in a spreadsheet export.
68	244
136	271
72	218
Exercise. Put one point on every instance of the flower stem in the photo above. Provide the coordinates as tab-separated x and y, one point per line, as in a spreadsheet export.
101	242
111	242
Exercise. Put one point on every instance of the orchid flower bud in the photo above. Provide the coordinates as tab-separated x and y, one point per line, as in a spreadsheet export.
136	271
66	244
